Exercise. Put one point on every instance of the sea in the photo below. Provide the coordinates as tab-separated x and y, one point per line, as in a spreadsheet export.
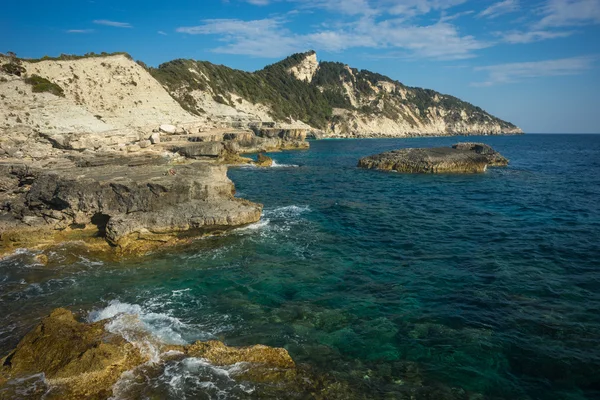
483	286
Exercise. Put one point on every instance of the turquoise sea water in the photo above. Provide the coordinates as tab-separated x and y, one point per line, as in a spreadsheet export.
488	284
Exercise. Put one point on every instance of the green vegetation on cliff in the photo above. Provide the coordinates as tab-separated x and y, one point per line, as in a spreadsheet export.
40	85
274	86
313	102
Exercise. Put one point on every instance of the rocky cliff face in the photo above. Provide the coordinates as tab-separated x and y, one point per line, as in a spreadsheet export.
112	93
306	69
369	104
331	97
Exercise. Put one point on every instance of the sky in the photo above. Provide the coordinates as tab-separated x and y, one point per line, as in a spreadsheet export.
535	63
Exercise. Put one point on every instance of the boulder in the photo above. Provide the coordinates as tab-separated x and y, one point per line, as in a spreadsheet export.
144	144
155	138
264	161
494	158
429	160
169	129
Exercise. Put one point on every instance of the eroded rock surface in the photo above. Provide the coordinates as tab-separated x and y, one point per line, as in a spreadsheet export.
433	160
134	207
495	159
461	158
85	360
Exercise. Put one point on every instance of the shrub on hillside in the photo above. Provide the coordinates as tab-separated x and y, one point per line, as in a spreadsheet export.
40	85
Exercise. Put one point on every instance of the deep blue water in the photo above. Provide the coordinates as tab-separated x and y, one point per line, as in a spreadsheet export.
489	283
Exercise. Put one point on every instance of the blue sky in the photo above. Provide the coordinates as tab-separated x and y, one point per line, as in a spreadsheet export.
535	63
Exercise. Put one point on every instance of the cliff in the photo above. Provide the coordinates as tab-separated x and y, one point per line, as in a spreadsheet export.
330	97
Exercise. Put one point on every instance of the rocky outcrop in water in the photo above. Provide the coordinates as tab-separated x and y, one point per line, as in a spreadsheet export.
80	360
461	158
495	159
62	358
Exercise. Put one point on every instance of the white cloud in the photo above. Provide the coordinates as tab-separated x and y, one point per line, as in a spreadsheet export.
518	37
112	23
412	8
270	38
500	8
515	72
560	13
80	31
162	33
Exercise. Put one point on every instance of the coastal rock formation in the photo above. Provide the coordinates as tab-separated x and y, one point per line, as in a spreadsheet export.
77	360
134	207
495	159
80	360
329	97
431	160
264	161
306	69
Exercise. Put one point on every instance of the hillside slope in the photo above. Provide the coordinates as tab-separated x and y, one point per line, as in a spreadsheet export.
331	97
95	94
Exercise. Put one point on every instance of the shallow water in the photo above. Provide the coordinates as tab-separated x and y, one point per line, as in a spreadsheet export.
488	283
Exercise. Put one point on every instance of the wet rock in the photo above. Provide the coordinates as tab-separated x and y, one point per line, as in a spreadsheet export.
264	161
78	360
428	160
494	158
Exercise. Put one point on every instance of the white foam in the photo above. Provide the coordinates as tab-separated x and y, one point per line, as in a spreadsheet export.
145	329
277	165
286	212
255	226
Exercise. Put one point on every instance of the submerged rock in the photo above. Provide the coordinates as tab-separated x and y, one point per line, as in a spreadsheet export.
431	160
495	159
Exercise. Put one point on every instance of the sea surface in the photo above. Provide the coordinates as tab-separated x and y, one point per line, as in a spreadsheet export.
486	284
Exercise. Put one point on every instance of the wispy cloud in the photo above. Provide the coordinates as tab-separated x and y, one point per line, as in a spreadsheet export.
518	37
560	13
112	23
500	8
162	33
270	37
80	31
516	72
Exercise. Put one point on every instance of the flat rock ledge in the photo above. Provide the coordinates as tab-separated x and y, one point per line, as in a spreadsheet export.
63	358
129	209
495	159
462	158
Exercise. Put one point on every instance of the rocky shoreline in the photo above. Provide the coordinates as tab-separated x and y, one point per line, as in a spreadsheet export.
69	359
129	203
